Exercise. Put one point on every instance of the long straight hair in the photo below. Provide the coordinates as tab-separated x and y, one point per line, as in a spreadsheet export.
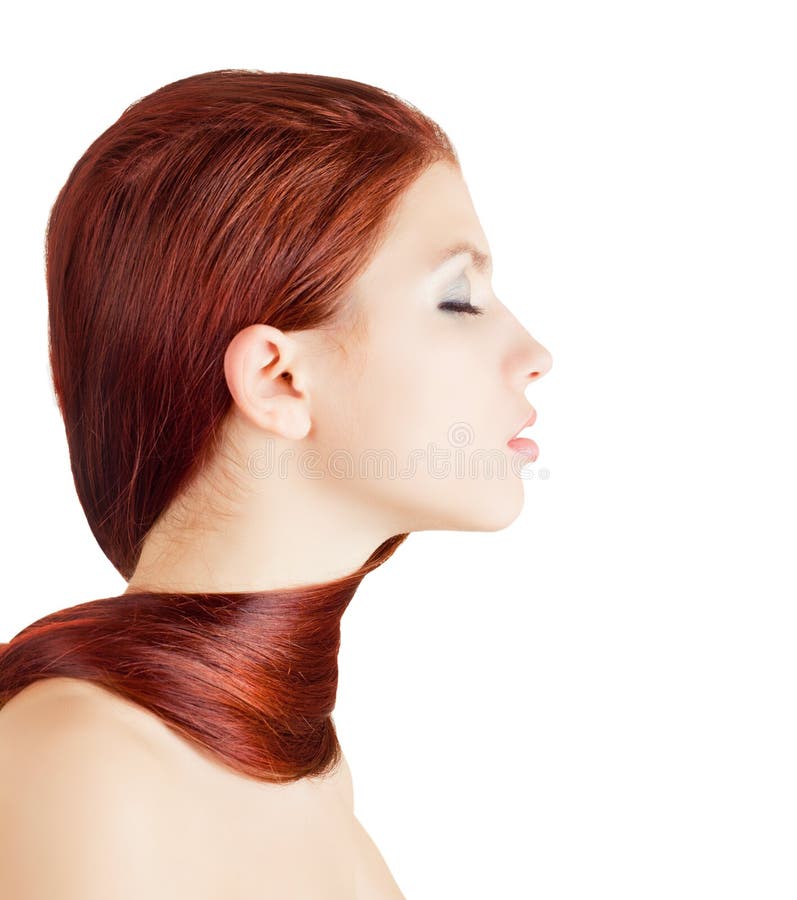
220	200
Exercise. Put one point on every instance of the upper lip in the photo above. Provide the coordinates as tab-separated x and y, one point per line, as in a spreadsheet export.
529	421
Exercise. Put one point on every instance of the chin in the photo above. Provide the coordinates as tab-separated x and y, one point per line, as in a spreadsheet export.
501	513
488	504
493	507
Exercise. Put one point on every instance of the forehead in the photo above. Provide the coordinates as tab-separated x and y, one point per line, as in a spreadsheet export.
434	218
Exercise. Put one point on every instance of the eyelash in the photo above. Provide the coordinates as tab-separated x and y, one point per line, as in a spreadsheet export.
457	307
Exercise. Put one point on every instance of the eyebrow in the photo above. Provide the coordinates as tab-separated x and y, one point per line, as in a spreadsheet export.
481	261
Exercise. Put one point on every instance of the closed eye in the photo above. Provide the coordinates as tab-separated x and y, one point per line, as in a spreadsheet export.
460	307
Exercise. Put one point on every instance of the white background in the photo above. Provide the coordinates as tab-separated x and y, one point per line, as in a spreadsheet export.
598	701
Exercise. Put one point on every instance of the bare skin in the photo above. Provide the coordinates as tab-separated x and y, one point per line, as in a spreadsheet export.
407	375
218	834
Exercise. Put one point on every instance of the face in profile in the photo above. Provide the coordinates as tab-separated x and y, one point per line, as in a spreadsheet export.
413	417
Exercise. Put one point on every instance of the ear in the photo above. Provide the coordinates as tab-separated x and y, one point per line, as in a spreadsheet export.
263	368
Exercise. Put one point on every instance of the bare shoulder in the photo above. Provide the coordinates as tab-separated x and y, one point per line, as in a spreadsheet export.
60	722
68	706
117	805
79	791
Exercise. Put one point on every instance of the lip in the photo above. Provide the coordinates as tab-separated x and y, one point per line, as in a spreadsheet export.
531	419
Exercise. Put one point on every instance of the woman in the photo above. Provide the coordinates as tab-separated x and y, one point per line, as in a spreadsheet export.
260	285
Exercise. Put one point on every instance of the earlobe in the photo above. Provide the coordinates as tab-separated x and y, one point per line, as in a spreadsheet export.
285	415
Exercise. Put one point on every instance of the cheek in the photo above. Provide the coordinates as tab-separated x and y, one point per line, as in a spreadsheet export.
396	404
415	386
430	409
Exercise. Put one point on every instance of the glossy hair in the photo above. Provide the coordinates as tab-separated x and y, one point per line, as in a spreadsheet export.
220	200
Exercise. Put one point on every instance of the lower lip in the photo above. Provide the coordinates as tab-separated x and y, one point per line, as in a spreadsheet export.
524	446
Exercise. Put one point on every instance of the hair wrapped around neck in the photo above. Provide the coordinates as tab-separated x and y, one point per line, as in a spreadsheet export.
250	677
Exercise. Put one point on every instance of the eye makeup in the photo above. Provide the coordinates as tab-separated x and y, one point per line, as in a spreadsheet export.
461	304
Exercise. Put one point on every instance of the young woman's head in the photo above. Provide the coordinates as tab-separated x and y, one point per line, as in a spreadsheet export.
401	425
254	338
271	369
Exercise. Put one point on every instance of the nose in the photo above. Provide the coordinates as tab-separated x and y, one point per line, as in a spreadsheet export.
526	359
542	361
532	363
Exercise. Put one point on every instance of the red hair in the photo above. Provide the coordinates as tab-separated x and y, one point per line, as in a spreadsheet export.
221	200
